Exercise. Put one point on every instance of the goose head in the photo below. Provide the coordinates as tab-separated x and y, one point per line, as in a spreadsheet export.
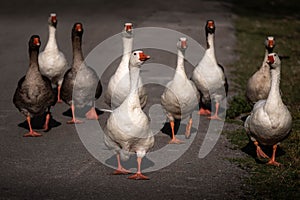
270	43
137	58
52	20
182	44
210	27
34	42
77	30
127	31
274	60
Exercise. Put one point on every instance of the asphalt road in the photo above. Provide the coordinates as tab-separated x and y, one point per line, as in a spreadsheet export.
57	165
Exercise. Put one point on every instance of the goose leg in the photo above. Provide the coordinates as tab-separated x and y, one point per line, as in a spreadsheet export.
31	132
92	114
215	116
58	94
174	140
46	125
272	160
188	128
120	169
259	151
139	175
74	120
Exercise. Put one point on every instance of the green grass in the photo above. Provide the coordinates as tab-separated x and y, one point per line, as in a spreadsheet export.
255	21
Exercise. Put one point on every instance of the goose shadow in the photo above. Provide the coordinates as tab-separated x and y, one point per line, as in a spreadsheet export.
38	122
130	163
179	129
250	149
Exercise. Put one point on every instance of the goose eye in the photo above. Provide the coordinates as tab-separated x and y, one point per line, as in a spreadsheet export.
134	53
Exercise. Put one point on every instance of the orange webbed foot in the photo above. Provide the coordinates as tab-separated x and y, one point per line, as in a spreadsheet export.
204	112
92	114
121	171
215	117
32	134
139	176
176	141
260	153
74	121
273	162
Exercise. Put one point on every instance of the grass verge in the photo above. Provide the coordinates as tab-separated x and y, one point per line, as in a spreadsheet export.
256	20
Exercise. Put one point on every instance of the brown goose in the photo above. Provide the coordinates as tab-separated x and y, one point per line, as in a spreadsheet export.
34	94
88	87
259	84
270	121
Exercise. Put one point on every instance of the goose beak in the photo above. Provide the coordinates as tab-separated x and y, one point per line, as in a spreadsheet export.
36	41
128	27
143	57
78	27
210	24
271	43
183	43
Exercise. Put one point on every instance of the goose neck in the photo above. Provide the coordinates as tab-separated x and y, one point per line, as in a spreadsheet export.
51	44
180	64
210	42
134	100
274	99
77	52
127	48
33	57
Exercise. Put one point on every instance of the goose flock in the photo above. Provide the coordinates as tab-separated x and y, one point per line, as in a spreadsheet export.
50	80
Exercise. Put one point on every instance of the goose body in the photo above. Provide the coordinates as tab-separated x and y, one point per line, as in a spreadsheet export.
34	94
52	61
270	121
81	85
127	128
119	84
209	76
180	97
259	84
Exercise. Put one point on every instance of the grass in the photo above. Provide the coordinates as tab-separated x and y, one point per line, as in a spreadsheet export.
256	20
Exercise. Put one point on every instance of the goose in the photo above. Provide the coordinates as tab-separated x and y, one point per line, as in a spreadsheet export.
119	84
180	96
127	128
259	84
209	76
52	61
270	121
34	94
88	86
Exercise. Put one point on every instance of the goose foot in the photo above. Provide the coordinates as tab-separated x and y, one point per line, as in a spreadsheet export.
32	134
203	111
92	114
175	141
59	101
259	152
121	171
215	117
74	121
139	176
273	162
46	125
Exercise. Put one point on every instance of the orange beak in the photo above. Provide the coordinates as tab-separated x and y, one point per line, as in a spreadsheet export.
36	41
271	43
210	24
143	57
183	44
78	27
128	27
270	59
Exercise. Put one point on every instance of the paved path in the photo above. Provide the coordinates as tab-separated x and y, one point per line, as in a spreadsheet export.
57	165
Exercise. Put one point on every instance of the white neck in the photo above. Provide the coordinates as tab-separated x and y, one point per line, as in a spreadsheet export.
51	44
180	71
134	99
127	48
211	47
274	99
266	56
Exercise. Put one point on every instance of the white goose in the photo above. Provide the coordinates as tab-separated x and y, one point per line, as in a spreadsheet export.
209	76
119	84
127	129
259	84
270	121
181	95
52	61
